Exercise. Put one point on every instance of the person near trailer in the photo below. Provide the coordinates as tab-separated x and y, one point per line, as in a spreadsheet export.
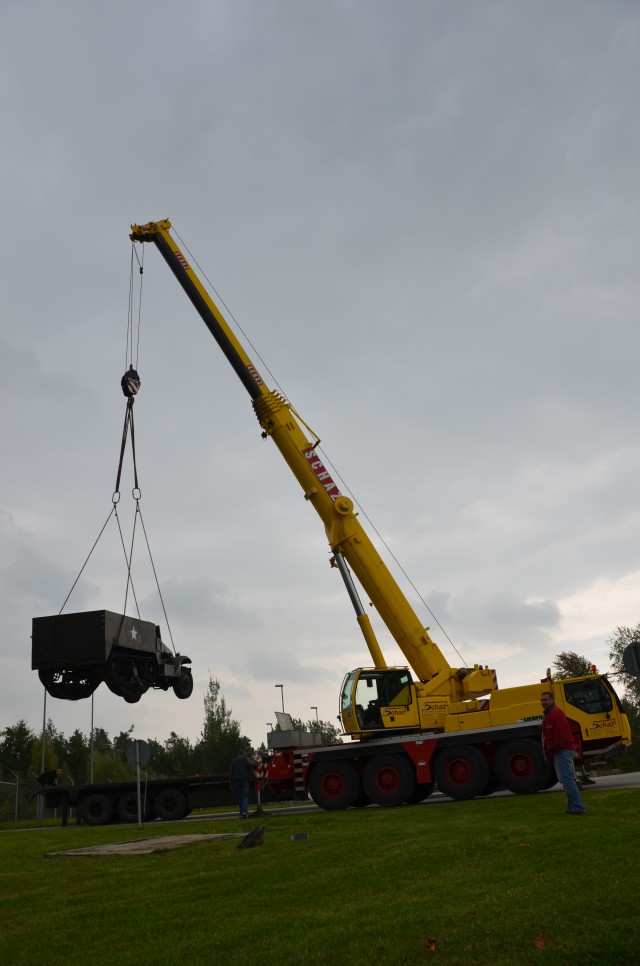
241	773
49	778
559	747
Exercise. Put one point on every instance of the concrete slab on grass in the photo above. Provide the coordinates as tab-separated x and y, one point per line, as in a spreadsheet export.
144	846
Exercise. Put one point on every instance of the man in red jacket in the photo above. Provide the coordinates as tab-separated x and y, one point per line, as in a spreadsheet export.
558	746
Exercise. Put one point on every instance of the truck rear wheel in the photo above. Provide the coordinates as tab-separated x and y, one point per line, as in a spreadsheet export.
521	766
334	785
170	805
96	809
461	773
389	780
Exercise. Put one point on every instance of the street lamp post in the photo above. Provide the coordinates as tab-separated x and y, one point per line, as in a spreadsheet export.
313	708
281	686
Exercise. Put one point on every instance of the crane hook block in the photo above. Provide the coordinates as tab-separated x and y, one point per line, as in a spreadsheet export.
130	383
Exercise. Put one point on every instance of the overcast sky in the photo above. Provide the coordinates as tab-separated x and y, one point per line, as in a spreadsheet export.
425	216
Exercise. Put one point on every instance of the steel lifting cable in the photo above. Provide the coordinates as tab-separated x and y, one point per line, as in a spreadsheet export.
137	496
130	384
130	337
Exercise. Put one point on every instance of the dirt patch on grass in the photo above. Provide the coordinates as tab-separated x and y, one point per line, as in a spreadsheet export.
144	846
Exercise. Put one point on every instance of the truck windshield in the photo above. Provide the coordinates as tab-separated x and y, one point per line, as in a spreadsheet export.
589	696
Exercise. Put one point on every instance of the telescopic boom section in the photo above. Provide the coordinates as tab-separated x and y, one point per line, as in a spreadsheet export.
344	532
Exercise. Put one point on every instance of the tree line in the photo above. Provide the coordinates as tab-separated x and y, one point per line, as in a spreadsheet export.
210	754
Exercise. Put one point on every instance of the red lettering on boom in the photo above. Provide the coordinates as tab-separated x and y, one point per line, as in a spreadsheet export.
321	473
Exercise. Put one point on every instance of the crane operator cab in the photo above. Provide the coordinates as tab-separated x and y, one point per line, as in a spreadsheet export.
377	699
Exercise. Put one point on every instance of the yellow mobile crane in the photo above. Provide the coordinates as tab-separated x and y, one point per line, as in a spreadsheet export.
474	719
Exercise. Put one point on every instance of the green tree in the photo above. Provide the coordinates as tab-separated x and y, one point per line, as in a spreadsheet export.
101	741
157	767
16	748
620	639
54	749
121	743
568	664
107	767
76	758
178	755
221	736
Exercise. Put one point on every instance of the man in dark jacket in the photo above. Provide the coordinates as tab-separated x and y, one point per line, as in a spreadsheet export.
240	777
48	778
558	746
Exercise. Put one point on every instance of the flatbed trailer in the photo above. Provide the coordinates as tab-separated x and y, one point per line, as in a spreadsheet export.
168	799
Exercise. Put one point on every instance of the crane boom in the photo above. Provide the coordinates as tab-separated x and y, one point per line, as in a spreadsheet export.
347	538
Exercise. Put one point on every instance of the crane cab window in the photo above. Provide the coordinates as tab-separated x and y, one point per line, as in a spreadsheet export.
591	697
380	689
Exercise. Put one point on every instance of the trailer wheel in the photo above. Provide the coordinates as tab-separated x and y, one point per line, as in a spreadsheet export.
521	766
96	809
170	805
389	780
127	807
183	686
461	773
334	785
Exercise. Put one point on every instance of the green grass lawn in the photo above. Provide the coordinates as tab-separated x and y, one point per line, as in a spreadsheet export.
457	883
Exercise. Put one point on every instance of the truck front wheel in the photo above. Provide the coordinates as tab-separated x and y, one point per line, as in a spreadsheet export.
334	785
183	686
521	766
461	773
389	780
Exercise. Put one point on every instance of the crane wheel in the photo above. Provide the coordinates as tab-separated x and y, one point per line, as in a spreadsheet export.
389	780
521	766
334	785
461	773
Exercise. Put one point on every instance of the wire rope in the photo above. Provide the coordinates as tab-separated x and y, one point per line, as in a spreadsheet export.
111	512
390	552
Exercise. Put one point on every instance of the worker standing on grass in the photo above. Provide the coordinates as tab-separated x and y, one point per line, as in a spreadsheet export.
559	747
240	777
